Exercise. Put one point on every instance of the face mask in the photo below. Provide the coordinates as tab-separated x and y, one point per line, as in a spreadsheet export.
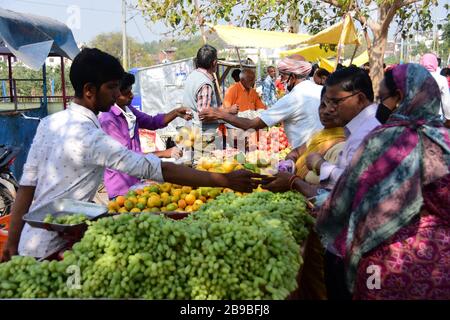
383	113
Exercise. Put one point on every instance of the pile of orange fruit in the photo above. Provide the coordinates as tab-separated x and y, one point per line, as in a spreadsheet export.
165	197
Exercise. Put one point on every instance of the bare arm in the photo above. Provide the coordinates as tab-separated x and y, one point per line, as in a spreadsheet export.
241	180
181	112
296	153
213	114
21	206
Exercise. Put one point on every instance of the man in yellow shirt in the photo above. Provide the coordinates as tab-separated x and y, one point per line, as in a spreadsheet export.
242	93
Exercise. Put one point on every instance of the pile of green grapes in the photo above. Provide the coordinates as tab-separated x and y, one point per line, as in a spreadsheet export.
230	249
69	219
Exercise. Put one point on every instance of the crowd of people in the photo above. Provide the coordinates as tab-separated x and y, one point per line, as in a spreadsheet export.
376	165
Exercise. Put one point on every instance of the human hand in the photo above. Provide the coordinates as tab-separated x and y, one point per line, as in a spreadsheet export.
185	113
173	152
8	252
314	161
208	115
279	183
243	180
234	109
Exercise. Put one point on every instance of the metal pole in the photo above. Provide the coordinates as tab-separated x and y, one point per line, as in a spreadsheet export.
124	35
354	53
10	78
239	56
63	83
44	86
259	64
401	51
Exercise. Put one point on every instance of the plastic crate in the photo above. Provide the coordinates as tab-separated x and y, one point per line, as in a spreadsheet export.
5	220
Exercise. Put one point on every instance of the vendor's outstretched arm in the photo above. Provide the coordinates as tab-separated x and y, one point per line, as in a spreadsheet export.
213	114
241	180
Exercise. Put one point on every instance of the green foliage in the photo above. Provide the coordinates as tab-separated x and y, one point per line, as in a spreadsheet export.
112	44
34	88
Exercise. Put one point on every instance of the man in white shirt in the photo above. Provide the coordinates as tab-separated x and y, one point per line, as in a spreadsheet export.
349	91
298	110
430	62
70	153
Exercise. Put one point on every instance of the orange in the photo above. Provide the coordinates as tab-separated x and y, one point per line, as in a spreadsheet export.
175	192
188	209
133	199
186	189
165	187
182	204
172	207
194	193
190	199
113	206
202	199
154	201
135	210
183	196
123	210
129	205
120	200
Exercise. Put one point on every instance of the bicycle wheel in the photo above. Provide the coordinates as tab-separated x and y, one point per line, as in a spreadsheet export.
6	201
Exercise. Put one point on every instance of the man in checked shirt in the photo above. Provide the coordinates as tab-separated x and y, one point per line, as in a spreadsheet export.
200	91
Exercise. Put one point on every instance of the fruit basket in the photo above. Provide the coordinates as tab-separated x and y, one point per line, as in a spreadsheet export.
63	207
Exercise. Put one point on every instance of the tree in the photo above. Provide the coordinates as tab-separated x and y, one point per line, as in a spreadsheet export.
112	44
444	49
375	17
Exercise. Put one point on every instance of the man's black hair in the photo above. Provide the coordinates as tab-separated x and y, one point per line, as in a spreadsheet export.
439	61
206	56
445	72
352	79
127	81
314	67
322	72
270	67
235	74
94	66
389	82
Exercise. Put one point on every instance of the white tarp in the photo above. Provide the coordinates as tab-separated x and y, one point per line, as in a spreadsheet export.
31	38
161	89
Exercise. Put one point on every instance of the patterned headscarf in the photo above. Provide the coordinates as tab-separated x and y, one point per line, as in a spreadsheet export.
381	190
298	67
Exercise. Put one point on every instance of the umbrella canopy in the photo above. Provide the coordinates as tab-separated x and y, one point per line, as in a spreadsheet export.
32	38
344	32
252	38
310	53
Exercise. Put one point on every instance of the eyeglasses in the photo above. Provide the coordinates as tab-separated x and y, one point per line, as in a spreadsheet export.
335	102
381	100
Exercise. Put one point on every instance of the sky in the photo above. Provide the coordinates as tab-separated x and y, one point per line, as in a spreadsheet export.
95	16
87	18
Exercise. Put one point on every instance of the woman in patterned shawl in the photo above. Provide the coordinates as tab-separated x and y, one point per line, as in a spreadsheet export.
389	214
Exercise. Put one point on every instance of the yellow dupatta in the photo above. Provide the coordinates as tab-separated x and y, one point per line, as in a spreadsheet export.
319	143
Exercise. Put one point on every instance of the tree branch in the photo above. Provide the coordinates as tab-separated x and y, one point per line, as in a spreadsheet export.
407	2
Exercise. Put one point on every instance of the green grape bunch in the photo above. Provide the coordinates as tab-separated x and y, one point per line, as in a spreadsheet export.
234	248
69	219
